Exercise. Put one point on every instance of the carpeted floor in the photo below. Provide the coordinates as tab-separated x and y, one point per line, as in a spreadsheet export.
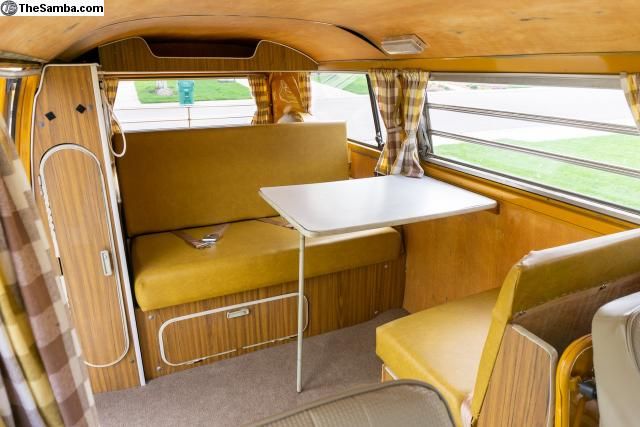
248	388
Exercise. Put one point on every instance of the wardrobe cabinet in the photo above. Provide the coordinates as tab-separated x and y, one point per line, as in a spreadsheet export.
73	178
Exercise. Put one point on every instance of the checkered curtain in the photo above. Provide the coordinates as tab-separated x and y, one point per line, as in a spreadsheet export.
304	86
110	87
414	87
387	88
631	88
43	381
259	84
401	96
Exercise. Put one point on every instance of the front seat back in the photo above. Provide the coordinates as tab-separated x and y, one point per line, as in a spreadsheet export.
616	360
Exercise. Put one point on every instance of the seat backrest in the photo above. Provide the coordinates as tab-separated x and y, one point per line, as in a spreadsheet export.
404	403
616	360
194	177
543	277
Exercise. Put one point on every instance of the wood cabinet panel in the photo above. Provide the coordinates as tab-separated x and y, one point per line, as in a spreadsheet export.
521	388
134	55
335	301
66	125
83	231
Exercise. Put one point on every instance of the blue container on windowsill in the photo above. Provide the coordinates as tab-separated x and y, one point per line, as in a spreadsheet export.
185	92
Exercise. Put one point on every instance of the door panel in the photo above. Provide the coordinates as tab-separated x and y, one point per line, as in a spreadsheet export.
75	196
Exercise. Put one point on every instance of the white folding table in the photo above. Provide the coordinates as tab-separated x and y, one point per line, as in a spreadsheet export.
362	204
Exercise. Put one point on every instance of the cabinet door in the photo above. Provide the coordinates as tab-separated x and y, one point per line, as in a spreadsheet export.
76	201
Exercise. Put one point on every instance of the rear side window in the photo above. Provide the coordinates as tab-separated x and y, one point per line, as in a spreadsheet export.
181	104
574	137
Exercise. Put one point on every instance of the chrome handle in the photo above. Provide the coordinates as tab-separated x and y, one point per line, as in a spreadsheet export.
237	313
105	258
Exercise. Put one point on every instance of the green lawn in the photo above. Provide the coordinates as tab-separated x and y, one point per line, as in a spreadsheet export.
619	150
354	83
204	90
358	86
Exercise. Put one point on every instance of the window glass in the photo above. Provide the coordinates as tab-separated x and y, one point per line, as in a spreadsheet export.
587	144
344	97
601	162
598	105
179	104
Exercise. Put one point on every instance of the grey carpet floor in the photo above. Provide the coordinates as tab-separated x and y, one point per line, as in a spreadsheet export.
247	388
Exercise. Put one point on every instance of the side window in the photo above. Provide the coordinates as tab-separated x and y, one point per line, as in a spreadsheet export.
344	97
578	140
179	104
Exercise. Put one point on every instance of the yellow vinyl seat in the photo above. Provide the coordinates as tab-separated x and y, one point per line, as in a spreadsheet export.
250	255
441	346
212	176
455	346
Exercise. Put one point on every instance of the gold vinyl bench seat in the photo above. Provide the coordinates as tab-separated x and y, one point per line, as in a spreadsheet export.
441	345
251	255
477	348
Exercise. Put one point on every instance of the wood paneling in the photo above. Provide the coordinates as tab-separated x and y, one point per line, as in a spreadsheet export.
62	90
465	28
604	63
521	388
134	55
363	161
73	187
3	98
335	301
454	257
28	88
82	231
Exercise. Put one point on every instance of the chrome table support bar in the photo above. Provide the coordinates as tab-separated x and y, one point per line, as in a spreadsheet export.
300	313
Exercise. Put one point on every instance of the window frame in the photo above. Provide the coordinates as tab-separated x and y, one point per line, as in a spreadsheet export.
605	81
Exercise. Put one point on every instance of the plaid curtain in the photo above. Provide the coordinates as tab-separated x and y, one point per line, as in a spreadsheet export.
260	90
42	378
631	88
304	86
414	86
387	88
110	87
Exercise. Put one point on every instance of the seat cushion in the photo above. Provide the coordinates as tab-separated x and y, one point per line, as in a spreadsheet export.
441	345
251	254
211	176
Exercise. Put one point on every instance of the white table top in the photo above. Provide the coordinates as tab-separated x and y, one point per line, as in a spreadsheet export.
363	204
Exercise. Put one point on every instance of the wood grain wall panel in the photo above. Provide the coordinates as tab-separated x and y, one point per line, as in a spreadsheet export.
363	161
521	388
465	28
455	257
134	55
335	301
82	232
451	258
24	111
76	192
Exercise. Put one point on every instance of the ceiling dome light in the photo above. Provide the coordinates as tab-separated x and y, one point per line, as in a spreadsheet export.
409	44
